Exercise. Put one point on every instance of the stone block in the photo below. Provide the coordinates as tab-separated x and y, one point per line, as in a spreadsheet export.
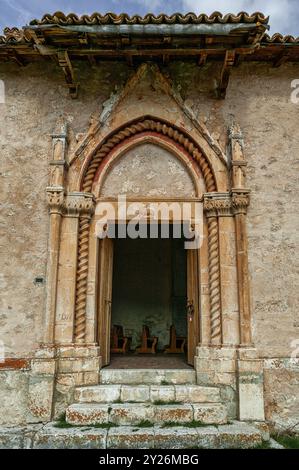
45	353
78	351
126	437
205	352
41	366
175	438
173	413
238	436
131	413
97	394
196	394
11	438
91	378
251	402
139	393
40	396
52	437
207	437
162	393
87	414
179	376
147	376
215	413
255	366
263	427
247	354
225	378
79	365
205	378
13	397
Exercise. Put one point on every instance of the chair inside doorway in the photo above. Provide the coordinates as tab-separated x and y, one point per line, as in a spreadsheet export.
149	298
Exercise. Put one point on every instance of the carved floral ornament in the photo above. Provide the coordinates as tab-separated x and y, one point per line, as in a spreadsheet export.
72	204
226	204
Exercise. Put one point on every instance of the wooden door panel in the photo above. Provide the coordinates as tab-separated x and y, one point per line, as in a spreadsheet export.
192	303
105	298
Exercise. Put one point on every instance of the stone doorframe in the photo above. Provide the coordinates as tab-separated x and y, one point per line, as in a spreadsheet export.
225	217
225	356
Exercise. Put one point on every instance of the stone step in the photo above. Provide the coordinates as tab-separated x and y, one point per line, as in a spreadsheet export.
147	376
147	393
237	435
135	413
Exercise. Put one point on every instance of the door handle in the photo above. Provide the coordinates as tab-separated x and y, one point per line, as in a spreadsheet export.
190	310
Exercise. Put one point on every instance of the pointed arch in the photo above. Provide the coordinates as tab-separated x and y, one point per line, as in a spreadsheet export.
147	123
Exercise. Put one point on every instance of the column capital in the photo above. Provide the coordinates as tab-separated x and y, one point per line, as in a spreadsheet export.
79	204
55	197
217	205
240	201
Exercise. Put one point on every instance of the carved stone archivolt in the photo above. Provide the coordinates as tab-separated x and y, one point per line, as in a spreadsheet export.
149	125
181	139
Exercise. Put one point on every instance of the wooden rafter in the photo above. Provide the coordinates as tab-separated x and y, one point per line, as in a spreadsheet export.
282	58
65	64
229	61
202	59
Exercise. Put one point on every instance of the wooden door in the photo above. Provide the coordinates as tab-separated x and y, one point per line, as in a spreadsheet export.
105	298
192	303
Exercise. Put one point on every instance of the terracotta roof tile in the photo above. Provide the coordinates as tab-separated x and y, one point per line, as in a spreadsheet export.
278	38
124	18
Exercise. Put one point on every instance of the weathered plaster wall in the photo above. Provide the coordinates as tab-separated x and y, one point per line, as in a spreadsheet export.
258	98
36	103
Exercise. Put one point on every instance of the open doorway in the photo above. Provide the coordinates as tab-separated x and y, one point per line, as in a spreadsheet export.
145	290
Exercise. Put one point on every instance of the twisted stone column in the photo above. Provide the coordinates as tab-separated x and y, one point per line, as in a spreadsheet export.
214	270
86	211
214	280
82	274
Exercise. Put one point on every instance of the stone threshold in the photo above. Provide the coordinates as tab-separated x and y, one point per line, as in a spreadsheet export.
237	435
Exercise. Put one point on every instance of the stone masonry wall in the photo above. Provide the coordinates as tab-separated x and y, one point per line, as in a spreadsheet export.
258	98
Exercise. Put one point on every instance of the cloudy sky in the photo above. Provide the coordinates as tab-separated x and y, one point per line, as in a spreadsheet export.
284	14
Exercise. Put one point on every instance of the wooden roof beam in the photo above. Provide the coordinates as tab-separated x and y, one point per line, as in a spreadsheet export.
65	64
202	59
229	61
282	58
154	51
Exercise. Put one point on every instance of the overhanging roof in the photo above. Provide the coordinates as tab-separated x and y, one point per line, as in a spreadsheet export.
67	38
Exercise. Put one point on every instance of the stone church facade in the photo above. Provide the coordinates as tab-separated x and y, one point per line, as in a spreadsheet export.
174	109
